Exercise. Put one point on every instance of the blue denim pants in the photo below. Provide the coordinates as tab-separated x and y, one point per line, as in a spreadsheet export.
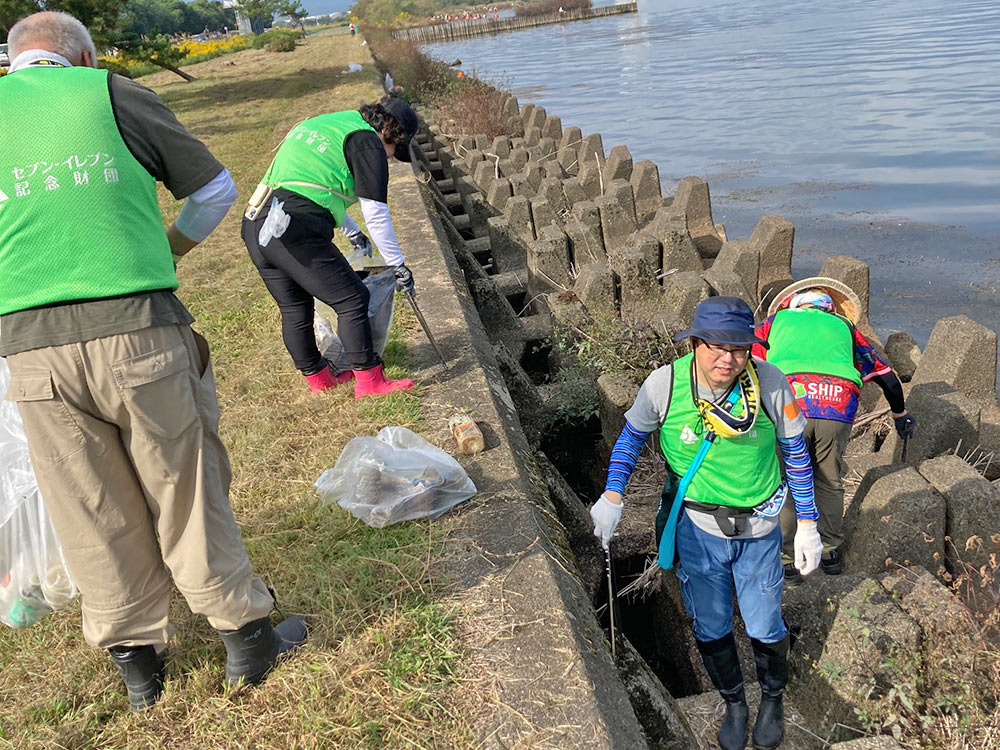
709	568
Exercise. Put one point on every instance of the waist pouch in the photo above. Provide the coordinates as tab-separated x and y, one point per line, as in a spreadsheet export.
732	521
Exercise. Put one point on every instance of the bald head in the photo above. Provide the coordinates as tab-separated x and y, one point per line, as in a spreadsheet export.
54	32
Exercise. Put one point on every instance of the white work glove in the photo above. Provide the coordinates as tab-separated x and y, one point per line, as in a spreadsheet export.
808	547
606	516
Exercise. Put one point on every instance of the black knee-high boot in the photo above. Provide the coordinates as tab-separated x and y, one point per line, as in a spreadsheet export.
722	662
772	673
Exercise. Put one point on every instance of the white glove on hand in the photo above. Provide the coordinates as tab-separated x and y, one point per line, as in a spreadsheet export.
606	516
808	547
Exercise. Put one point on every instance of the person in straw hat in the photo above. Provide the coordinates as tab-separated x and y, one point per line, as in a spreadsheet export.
813	337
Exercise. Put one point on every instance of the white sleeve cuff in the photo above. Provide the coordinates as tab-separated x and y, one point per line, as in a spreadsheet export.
381	232
206	207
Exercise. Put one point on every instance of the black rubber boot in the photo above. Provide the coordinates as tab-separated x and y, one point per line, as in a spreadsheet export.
722	662
772	673
142	671
254	649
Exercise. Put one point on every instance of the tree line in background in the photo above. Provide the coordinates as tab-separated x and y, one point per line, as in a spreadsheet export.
178	17
392	12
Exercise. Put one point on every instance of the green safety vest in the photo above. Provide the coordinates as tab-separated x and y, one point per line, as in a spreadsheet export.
740	472
814	341
311	161
79	217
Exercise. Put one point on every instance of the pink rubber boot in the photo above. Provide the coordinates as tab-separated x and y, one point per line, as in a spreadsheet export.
373	382
320	381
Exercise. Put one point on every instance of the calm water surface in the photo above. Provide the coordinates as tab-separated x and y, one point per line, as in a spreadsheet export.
873	126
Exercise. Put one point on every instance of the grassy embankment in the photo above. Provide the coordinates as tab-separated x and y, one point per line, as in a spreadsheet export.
379	668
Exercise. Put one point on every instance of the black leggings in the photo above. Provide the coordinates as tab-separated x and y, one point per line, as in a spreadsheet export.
304	264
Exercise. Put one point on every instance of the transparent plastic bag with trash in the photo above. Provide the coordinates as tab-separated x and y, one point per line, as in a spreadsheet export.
381	288
33	576
394	476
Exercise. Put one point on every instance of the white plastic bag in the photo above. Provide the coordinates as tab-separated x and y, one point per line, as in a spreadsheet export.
381	290
275	224
33	577
395	476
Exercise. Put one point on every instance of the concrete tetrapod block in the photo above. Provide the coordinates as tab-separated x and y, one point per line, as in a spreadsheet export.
546	149
589	176
744	261
532	136
772	240
727	284
571	138
500	146
511	117
552	128
591	150
483	143
963	354
586	245
989	438
617	220
479	211
679	251
618	165
518	213
899	517
510	250
645	181
519	158
573	191
947	420
903	353
567	158
499	193
552	190
973	510
694	201
548	262
595	287
621	191
952	643
484	173
682	292
471	157
851	630
553	169
617	394
526	111
543	214
537	118
519	185
636	274
882	742
588	213
851	271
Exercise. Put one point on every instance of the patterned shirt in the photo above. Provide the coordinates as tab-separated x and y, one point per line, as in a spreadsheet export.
828	396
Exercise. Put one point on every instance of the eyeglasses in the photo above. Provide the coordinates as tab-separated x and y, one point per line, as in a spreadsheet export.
738	352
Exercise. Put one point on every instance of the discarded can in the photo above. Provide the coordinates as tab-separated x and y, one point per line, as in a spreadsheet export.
468	437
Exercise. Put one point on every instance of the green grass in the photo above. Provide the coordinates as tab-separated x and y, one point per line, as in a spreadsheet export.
381	665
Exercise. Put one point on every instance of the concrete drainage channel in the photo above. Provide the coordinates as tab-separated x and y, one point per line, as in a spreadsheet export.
549	233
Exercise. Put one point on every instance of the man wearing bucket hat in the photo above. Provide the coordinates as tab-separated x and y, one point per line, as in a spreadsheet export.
811	329
325	164
721	416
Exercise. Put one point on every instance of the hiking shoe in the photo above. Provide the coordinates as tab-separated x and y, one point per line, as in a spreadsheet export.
832	563
792	575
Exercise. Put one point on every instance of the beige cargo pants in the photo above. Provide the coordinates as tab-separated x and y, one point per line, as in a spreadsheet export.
123	436
826	440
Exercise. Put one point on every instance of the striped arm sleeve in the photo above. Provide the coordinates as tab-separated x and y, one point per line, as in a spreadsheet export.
624	456
798	472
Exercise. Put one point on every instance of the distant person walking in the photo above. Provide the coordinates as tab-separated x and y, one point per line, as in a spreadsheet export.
115	390
325	164
354	29
813	337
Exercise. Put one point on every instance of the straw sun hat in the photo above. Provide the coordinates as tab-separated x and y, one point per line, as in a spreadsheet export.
844	298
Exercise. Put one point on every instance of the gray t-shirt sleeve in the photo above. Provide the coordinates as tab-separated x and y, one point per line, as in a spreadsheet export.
158	140
651	404
779	401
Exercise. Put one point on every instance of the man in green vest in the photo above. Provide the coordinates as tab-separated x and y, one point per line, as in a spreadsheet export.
815	342
325	164
721	417
115	390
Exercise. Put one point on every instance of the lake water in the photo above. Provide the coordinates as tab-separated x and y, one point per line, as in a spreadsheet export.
873	126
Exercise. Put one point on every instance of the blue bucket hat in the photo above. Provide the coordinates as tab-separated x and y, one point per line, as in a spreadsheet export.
723	320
